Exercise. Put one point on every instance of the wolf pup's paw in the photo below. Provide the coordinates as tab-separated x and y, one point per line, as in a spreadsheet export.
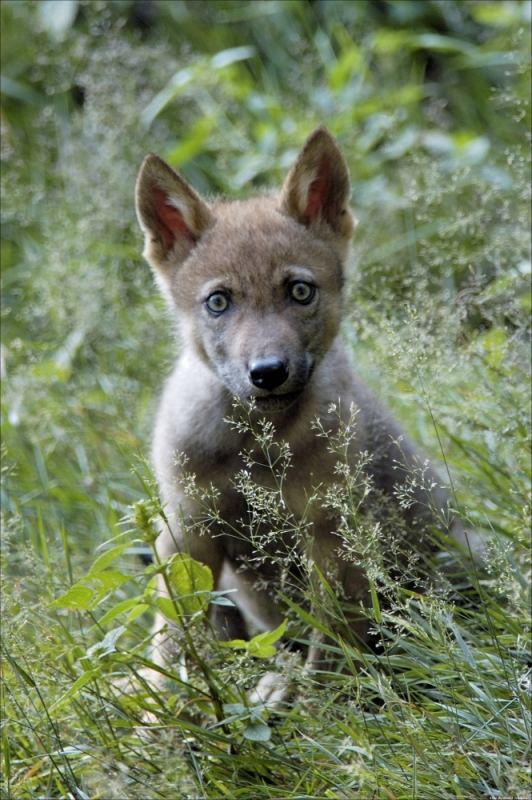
272	690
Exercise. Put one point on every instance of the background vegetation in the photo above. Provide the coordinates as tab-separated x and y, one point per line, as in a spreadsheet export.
429	101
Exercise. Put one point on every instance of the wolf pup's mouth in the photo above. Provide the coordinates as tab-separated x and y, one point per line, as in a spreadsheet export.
276	402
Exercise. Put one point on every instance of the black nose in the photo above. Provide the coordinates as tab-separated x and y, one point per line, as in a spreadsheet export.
268	373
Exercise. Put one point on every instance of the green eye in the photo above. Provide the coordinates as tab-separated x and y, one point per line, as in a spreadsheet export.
302	292
217	302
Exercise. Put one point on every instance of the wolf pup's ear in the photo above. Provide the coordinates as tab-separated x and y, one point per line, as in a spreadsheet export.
317	189
171	214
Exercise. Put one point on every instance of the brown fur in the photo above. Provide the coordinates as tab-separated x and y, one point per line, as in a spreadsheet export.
254	252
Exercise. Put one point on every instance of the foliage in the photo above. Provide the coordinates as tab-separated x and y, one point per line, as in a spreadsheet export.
430	102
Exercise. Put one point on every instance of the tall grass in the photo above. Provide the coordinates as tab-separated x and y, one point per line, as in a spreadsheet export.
430	103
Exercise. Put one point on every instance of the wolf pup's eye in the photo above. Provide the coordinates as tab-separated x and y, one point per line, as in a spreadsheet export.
302	292
217	303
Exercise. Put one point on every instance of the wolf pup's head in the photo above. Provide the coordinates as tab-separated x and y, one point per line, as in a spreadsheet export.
256	283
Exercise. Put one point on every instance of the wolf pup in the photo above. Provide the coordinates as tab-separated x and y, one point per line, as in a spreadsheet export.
257	289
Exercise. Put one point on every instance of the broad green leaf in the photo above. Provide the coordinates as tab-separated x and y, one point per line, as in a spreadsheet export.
107	558
235	644
125	605
77	598
235	708
257	732
109	578
107	645
167	609
83	598
191	581
262	645
137	611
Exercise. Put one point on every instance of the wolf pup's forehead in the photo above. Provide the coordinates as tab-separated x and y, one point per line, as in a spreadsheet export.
309	215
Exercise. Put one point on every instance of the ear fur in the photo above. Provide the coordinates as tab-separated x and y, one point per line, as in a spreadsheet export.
171	214
317	188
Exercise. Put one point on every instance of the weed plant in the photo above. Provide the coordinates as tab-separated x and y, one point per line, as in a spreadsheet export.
430	103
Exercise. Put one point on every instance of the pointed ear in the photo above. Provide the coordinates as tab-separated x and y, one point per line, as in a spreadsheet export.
318	188
171	214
